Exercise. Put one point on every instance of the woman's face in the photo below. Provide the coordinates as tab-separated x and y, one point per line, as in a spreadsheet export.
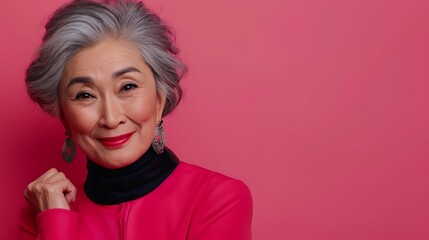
109	103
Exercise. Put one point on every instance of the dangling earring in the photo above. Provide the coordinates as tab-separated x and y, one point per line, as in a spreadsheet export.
159	139
69	149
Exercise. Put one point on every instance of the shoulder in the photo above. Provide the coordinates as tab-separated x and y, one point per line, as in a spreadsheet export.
223	205
215	189
211	181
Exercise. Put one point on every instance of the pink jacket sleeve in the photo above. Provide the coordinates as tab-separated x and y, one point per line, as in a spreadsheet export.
224	213
53	224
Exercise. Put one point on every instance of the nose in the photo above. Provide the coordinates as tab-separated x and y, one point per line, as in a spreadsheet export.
111	113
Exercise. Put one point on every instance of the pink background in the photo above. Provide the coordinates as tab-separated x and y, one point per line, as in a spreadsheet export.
321	107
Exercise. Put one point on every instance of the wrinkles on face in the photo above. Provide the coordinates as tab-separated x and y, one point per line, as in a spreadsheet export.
109	91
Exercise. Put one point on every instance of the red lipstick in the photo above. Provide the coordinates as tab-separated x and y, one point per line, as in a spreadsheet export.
115	142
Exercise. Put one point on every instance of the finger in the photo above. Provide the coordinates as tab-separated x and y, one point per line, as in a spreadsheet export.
52	195
47	174
71	193
61	184
29	197
51	190
66	187
43	177
55	177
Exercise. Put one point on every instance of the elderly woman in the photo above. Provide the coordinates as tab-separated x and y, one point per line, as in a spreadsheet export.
109	71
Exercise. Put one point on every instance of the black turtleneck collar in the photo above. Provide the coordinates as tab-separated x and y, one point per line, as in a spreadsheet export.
113	186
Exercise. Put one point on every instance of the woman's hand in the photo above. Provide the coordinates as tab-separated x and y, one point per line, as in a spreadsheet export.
51	190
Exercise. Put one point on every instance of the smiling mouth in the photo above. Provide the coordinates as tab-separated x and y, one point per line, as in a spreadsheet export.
115	142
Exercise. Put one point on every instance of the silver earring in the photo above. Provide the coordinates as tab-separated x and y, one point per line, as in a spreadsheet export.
69	150
159	139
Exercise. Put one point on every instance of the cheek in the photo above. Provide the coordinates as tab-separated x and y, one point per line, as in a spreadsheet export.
142	109
80	120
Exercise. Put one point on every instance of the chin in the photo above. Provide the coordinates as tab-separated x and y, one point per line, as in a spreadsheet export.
118	160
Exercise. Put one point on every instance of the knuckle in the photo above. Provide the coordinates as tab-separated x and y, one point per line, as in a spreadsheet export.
29	186
37	187
45	188
61	175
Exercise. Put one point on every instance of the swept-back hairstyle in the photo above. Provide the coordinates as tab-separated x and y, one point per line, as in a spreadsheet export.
84	23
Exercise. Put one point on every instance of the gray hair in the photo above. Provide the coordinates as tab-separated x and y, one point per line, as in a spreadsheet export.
83	23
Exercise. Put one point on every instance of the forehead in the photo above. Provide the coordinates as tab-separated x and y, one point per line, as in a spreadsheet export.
106	56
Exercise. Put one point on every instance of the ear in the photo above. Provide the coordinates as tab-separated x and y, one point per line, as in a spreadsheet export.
160	104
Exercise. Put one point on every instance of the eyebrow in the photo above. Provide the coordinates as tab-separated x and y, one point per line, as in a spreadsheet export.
84	80
123	71
87	80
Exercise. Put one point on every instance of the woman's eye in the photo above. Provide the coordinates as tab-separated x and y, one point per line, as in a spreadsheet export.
83	95
128	87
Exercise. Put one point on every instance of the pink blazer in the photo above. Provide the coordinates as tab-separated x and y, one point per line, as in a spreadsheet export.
193	203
